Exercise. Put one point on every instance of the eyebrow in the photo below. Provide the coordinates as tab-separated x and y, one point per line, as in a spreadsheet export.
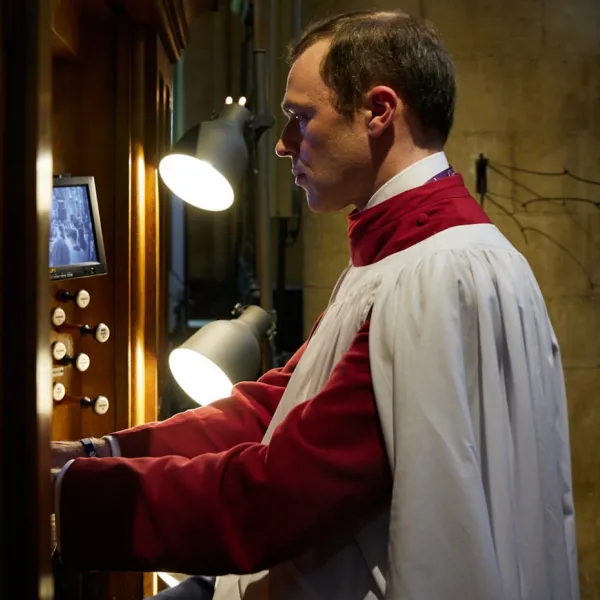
289	107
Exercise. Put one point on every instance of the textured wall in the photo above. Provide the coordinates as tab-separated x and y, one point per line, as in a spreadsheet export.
211	70
529	96
210	74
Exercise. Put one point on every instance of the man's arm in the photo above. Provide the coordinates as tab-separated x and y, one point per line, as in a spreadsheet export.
63	452
243	510
243	417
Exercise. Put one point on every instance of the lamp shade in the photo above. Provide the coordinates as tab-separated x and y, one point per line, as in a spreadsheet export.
220	355
207	164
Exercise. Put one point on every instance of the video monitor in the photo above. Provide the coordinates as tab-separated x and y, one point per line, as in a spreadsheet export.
76	246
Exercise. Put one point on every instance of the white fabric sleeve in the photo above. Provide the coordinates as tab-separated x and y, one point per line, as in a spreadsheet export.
113	444
57	486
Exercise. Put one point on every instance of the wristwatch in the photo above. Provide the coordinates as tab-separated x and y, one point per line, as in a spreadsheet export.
89	448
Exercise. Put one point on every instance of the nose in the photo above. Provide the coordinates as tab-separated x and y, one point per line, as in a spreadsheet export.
287	145
280	149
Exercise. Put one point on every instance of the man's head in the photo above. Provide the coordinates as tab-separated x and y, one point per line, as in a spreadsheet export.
368	94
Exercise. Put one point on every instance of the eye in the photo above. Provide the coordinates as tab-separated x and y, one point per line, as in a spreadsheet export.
302	121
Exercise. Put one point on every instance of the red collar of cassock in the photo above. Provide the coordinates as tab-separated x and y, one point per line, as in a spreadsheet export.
410	218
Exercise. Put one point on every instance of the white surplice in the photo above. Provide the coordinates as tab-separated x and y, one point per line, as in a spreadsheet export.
470	393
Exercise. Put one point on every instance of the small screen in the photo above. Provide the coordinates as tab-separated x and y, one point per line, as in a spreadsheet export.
72	239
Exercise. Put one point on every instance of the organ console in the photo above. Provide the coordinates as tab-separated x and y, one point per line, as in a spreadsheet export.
59	391
99	404
86	89
100	332
81	298
59	351
81	361
58	316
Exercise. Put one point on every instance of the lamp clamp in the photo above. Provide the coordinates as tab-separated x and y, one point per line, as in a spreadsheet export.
261	123
237	310
272	331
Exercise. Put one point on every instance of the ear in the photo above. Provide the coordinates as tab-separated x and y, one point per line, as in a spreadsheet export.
382	105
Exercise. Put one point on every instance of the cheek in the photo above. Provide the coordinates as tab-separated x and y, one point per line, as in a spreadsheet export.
317	144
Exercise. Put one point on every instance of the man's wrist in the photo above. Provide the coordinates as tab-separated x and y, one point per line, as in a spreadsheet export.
63	452
102	448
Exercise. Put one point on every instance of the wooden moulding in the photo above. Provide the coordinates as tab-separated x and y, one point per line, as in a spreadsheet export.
173	27
64	22
170	18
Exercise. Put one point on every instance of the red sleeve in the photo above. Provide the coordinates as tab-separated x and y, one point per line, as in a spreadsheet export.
243	417
238	511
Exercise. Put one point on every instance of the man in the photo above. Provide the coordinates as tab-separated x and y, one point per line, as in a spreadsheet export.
59	250
416	447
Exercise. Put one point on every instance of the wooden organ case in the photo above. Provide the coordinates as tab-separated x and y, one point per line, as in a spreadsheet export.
112	99
87	82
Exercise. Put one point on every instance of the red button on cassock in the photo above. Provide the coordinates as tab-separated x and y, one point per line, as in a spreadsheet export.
422	219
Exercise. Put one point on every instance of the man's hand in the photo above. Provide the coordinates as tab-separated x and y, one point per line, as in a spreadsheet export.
63	452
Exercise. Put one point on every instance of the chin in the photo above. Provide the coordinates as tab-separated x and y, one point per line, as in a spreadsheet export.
318	204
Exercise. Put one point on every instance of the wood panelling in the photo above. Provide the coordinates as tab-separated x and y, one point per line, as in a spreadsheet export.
170	18
65	27
157	136
111	116
108	104
138	229
123	212
25	401
83	144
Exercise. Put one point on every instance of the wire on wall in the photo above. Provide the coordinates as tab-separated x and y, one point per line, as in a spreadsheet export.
483	164
563	173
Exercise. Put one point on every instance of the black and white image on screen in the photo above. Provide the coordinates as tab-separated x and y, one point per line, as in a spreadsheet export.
71	231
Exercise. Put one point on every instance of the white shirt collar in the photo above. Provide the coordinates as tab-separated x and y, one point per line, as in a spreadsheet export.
412	177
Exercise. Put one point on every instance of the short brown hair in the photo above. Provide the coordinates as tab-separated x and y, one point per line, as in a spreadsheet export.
391	48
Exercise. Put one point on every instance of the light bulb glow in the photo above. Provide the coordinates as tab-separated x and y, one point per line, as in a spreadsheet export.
199	377
242	101
169	579
229	100
196	182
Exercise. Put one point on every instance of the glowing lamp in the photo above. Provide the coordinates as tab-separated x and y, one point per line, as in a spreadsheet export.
221	354
207	164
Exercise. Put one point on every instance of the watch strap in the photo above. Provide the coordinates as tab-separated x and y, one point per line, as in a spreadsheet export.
89	448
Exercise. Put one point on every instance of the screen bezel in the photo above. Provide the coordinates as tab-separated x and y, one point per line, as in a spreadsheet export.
87	269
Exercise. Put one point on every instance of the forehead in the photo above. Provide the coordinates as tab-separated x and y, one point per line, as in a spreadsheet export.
304	83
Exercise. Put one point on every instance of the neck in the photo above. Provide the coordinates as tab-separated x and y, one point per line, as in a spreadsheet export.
394	163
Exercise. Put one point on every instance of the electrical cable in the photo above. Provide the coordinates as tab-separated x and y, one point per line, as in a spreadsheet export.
524	229
512	180
563	199
564	172
508	213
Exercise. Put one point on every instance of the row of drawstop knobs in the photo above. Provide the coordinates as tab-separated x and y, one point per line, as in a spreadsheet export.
80	361
99	404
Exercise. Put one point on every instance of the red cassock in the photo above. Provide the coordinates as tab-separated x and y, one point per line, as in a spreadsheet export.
200	493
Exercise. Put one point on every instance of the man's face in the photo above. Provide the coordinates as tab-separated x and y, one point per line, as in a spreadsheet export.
330	153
